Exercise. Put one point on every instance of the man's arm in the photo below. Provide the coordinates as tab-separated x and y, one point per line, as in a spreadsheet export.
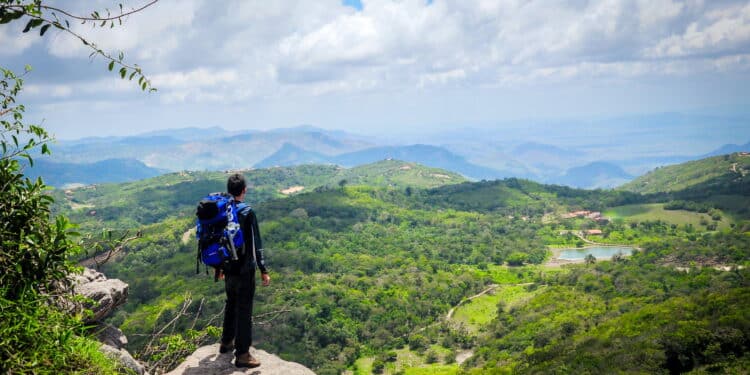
259	257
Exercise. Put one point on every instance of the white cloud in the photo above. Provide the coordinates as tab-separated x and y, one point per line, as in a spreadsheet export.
13	42
201	77
196	50
719	32
151	34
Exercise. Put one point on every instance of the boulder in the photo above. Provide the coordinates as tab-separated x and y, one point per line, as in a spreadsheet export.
124	358
207	361
105	294
110	335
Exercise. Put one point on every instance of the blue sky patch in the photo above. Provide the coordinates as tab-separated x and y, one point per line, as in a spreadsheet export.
356	4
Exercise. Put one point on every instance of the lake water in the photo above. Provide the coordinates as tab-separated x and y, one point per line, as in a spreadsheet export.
600	252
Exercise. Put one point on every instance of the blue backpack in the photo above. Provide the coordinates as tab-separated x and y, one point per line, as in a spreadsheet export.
220	239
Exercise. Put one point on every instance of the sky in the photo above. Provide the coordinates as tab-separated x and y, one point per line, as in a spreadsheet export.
386	67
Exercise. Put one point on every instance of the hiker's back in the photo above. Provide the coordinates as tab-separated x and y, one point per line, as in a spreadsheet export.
221	243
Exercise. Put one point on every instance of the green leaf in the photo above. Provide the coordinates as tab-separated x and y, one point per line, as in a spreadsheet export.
10	16
111	65
44	29
45	149
123	72
32	24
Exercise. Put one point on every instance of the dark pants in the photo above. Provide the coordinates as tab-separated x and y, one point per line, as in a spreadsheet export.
238	319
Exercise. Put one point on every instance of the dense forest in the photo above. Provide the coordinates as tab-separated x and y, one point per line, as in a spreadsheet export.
368	262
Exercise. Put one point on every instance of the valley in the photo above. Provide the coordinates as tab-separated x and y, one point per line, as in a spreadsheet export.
394	267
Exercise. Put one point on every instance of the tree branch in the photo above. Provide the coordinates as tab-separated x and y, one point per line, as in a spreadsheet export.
50	8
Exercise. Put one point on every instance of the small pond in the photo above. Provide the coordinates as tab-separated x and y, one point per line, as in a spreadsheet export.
600	252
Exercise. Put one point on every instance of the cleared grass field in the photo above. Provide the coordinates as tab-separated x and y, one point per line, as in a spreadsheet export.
656	211
481	310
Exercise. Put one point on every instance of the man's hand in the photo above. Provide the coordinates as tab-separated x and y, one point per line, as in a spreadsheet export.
266	279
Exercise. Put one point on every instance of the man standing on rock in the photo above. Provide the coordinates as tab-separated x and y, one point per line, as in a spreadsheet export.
239	282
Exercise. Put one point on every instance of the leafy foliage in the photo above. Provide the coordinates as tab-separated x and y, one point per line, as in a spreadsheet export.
34	250
35	336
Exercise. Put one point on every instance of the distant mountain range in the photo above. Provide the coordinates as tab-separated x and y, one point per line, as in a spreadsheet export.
110	170
475	157
432	156
290	154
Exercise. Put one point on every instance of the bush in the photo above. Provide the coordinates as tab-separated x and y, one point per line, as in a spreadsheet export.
35	336
378	366
418	343
33	250
431	357
517	258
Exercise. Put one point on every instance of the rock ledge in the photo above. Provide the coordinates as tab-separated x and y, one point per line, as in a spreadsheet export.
207	361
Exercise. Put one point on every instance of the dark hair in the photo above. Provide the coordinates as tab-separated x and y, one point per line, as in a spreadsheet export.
236	184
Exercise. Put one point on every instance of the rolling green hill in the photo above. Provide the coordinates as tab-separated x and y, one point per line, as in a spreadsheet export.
714	174
130	205
367	263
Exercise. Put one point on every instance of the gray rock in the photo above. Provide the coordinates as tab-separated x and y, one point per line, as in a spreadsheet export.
105	294
124	358
110	335
207	361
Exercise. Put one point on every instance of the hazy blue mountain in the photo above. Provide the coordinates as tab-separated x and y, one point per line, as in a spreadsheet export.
594	175
110	170
90	150
190	133
431	156
290	155
533	147
206	149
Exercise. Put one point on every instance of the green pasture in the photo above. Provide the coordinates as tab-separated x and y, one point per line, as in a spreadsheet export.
482	310
656	211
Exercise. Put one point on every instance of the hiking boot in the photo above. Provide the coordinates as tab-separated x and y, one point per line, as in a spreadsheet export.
246	360
226	347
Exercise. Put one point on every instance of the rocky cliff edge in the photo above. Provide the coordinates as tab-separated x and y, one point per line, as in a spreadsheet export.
207	361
